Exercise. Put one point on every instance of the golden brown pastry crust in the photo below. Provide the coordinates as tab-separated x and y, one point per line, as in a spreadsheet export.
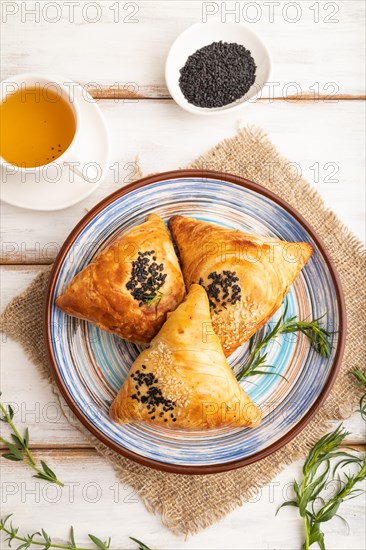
265	269
185	371
99	293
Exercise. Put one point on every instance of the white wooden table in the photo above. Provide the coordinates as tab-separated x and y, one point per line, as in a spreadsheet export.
122	55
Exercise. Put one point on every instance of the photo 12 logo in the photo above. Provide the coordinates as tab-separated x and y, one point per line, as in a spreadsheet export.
72	12
270	12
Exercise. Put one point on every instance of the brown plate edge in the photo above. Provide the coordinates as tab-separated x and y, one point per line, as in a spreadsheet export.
176	468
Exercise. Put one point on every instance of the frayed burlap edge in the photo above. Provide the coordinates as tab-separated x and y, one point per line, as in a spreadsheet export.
188	504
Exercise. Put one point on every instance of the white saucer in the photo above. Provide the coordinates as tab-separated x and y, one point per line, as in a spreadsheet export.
48	195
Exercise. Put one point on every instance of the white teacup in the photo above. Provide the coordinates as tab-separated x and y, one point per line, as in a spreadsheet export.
74	160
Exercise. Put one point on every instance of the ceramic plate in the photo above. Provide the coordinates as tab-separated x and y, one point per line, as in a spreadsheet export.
90	364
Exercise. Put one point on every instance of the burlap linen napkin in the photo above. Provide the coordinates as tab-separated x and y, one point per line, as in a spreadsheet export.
188	504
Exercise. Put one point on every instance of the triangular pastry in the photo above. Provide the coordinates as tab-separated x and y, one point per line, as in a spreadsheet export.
183	379
246	276
129	288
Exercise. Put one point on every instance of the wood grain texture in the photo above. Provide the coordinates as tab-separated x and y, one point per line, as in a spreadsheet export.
316	46
324	140
161	92
93	501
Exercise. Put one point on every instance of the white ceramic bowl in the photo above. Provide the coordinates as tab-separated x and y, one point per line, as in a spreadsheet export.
202	34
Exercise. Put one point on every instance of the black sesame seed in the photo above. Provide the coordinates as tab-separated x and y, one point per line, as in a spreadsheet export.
221	289
153	397
146	278
217	74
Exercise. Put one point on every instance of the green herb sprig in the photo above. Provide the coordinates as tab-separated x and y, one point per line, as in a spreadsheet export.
361	378
19	448
317	474
154	300
41	538
319	340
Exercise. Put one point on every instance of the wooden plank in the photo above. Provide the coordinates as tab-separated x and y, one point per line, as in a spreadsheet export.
160	92
33	400
316	47
165	138
94	502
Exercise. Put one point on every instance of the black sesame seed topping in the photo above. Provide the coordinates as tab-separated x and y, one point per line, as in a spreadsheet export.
223	289
152	396
146	278
217	74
